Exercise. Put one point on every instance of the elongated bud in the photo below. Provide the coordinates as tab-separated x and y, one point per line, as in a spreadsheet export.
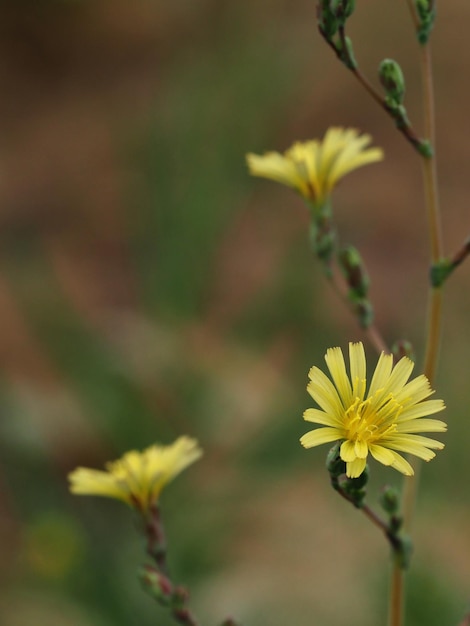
426	10
392	80
327	20
342	9
157	585
349	6
354	271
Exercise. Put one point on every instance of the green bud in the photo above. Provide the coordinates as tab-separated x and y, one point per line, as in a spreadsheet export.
346	53
425	148
327	21
349	6
342	9
355	488
401	348
354	271
334	463
440	271
426	10
402	551
157	585
364	312
322	238
389	500
179	598
392	80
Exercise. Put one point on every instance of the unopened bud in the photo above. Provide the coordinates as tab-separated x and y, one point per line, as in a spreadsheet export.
327	21
364	312
392	80
334	463
355	488
157	585
346	54
389	500
354	271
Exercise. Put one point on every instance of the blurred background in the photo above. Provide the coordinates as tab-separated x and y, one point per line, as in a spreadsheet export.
150	288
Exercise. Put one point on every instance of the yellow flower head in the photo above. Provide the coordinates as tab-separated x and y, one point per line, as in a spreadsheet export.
314	167
382	421
137	478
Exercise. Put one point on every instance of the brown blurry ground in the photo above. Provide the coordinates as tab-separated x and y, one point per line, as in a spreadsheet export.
83	84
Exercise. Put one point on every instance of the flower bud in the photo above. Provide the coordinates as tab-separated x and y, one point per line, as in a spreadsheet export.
392	80
334	463
157	585
354	271
389	500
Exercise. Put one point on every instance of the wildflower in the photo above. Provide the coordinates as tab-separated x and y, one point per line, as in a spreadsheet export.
314	167
137	478
383	421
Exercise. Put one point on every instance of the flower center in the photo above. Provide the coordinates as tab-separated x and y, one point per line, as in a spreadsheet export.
372	419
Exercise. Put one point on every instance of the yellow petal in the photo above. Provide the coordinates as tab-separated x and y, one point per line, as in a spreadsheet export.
357	360
320	417
355	468
335	362
319	436
348	451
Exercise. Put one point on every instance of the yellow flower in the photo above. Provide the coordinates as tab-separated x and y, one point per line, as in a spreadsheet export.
383	421
314	167
137	478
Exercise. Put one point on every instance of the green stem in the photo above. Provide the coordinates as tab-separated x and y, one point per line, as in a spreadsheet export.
396	597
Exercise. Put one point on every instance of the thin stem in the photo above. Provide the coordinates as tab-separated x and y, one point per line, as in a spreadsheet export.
434	313
156	542
429	164
434	301
414	15
396	597
434	331
403	124
340	288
